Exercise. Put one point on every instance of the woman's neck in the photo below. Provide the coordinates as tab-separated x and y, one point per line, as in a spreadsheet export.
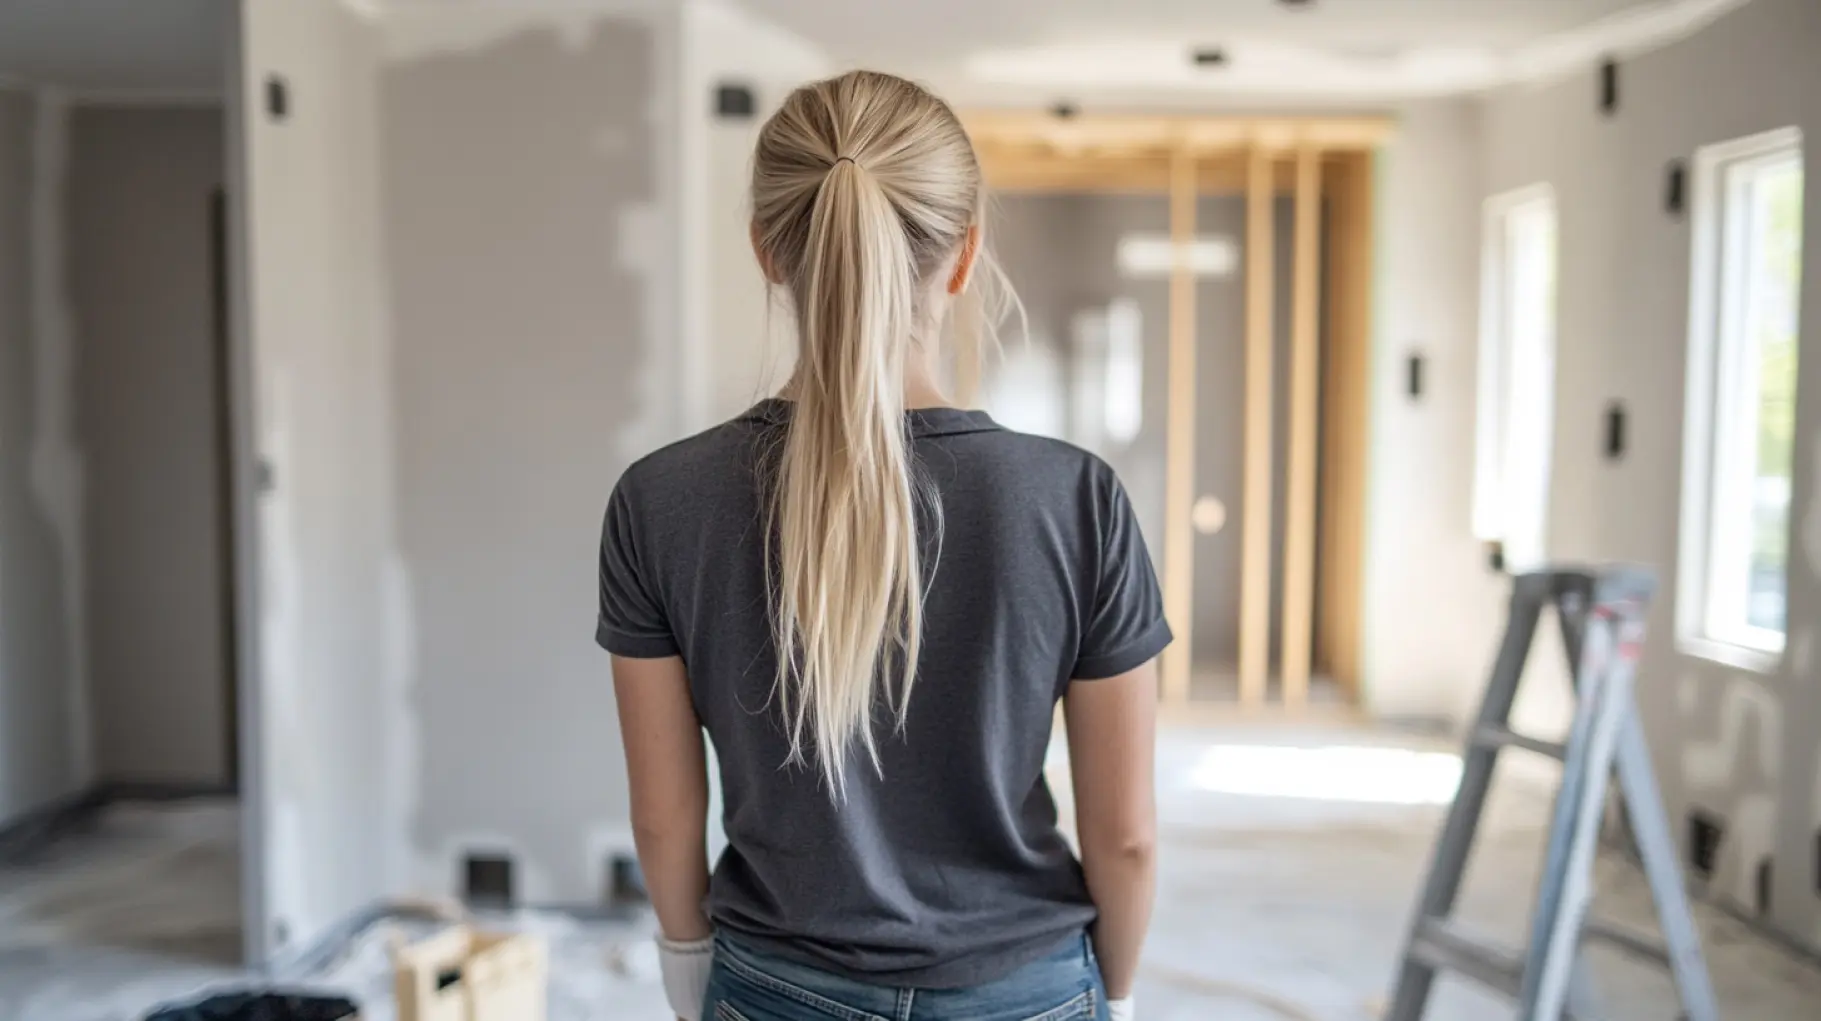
920	391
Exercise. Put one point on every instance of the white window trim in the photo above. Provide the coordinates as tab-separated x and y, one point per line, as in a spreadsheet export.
1700	438
1493	356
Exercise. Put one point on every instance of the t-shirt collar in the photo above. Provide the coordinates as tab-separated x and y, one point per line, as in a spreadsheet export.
924	422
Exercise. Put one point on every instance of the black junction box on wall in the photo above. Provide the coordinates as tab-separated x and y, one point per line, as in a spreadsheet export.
278	98
1675	188
735	101
1615	431
1609	87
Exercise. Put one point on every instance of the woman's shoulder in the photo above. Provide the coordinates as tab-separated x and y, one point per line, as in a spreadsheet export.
705	466
1033	457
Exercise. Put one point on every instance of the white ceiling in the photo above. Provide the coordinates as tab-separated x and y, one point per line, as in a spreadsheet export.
1014	52
1000	52
954	29
164	46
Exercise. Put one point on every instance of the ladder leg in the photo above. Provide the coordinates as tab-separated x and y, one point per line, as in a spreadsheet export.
1448	865
1656	846
1566	890
1657	849
1583	993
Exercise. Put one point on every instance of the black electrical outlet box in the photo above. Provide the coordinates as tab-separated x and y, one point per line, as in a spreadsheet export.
1413	368
1704	835
1609	87
735	101
1675	188
278	98
625	881
1615	431
488	879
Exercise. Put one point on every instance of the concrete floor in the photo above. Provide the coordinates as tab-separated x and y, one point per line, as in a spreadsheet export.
1288	868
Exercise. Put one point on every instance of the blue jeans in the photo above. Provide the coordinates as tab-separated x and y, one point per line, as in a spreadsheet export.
748	986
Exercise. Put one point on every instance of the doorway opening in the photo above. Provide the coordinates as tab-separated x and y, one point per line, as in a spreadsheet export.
1197	291
120	750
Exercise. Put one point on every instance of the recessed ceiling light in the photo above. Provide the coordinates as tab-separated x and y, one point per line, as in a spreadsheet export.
1209	56
1297	3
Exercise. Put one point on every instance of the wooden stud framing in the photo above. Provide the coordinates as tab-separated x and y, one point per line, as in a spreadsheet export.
1179	473
1201	136
1255	556
1346	419
1320	160
1297	635
1035	170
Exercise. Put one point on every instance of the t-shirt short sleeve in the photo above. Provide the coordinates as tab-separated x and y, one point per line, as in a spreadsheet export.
1125	627
632	619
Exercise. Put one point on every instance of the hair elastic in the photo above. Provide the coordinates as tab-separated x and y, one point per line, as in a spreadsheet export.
849	159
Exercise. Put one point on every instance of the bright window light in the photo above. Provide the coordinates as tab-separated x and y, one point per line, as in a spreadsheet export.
1391	776
1516	408
1740	422
1107	393
1124	371
1154	255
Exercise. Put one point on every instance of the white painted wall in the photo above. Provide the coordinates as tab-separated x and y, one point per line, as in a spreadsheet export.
325	548
1431	605
748	347
1743	747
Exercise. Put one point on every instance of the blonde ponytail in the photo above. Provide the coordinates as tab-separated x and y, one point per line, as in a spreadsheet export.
863	186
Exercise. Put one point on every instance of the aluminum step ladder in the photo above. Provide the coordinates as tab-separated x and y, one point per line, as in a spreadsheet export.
1602	619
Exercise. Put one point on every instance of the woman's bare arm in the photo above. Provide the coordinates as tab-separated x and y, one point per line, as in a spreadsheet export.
1112	726
668	772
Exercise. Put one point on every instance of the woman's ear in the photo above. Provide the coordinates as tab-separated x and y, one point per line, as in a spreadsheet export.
964	263
766	265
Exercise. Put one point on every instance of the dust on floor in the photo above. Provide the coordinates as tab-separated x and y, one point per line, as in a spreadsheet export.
1288	867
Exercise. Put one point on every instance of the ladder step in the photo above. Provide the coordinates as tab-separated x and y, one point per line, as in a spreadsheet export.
1489	736
1446	946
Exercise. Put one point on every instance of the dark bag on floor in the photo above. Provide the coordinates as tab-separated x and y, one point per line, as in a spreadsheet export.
260	1007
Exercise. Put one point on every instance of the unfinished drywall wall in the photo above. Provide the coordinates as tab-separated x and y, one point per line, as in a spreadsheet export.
1431	604
531	204
328	632
40	758
141	183
1741	747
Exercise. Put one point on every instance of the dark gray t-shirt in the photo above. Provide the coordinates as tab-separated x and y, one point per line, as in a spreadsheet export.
947	870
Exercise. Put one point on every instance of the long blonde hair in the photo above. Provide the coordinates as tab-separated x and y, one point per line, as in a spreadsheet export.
863	188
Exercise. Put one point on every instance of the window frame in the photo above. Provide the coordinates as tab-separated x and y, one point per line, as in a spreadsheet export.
1710	416
1495	348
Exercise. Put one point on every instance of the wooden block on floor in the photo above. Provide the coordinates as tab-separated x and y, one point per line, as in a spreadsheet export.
462	974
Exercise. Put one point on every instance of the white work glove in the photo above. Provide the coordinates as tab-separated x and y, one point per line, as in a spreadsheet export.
1120	1009
685	965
